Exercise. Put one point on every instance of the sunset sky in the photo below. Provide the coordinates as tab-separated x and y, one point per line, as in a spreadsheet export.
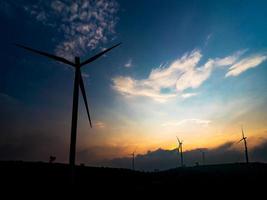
192	69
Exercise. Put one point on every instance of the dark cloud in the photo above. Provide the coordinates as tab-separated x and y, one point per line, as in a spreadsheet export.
96	154
161	159
27	135
259	153
35	146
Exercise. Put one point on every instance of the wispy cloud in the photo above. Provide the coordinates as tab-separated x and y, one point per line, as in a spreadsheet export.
167	82
128	86
99	124
188	95
245	64
200	122
129	63
84	25
85	75
208	39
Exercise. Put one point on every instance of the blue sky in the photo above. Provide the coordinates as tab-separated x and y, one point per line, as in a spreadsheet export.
196	69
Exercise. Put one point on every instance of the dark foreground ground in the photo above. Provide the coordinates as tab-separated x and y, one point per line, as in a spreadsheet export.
201	180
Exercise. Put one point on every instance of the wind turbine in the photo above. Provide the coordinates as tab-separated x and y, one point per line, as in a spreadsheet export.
245	144
203	157
78	82
180	149
133	159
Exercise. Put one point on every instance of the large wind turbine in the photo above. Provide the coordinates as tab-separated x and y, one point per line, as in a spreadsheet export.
245	145
78	82
180	150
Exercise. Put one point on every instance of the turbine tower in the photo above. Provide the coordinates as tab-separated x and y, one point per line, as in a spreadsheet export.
203	157
133	161
180	149
245	144
78	82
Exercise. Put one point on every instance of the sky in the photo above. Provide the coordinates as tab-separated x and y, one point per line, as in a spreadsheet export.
192	69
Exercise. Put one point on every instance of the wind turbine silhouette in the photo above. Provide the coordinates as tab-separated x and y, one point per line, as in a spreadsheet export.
203	157
78	82
180	149
245	144
133	157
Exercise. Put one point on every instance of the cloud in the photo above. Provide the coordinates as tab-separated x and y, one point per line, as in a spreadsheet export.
130	87
99	124
245	64
83	25
128	64
85	75
95	155
188	122
188	95
163	159
260	151
31	145
208	38
167	82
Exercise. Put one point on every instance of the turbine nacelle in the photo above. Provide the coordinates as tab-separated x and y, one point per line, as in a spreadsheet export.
180	143
77	61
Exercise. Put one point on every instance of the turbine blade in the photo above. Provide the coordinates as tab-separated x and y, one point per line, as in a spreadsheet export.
54	57
240	140
242	132
98	55
178	140
84	98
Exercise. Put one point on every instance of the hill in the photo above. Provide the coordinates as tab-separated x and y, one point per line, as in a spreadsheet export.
18	174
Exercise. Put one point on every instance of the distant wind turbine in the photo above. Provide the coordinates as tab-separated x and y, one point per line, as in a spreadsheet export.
203	157
180	150
78	82
245	144
133	160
